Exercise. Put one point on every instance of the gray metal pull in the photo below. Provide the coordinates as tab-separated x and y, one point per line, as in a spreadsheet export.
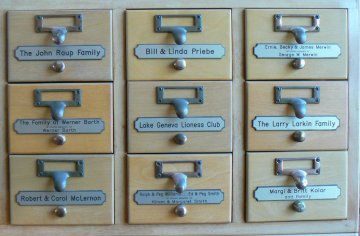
179	33
60	177
60	180
57	107
179	178
180	181
59	33
299	32
180	210
180	139
181	105
298	104
299	175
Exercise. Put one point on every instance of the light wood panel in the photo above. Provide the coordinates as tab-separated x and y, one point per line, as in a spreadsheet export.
96	103
261	172
216	29
216	174
142	103
98	175
97	29
260	29
261	102
238	226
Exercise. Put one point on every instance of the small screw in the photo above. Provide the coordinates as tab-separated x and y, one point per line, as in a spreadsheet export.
199	174
200	100
317	17
158	28
317	159
277	16
317	28
277	100
318	171
278	161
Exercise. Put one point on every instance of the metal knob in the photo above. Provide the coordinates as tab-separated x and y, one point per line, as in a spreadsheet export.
180	182
299	34
299	136
57	110
299	206
60	211
181	107
180	210
58	66
300	179
180	139
59	35
59	139
179	34
60	180
298	63
299	106
180	64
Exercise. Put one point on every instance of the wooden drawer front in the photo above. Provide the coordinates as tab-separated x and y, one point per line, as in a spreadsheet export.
38	195
278	119
39	120
156	119
277	48
202	53
85	54
155	197
272	194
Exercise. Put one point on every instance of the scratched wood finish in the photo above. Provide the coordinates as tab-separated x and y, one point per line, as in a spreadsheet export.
142	103
216	174
261	172
261	102
96	103
237	225
216	29
98	175
260	29
97	28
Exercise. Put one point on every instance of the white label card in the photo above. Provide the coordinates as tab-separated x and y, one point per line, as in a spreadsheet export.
278	50
62	52
171	124
169	51
285	193
289	123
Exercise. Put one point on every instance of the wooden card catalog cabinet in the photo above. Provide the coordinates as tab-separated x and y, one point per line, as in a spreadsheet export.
60	118
172	189
61	189
287	44
292	186
59	45
179	44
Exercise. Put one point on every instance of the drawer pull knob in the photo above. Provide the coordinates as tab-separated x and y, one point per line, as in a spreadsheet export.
58	66
181	107
180	182
59	139
299	206
299	136
298	63
60	211
180	210
299	174
300	178
60	177
299	105
59	33
180	64
179	33
57	107
180	139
